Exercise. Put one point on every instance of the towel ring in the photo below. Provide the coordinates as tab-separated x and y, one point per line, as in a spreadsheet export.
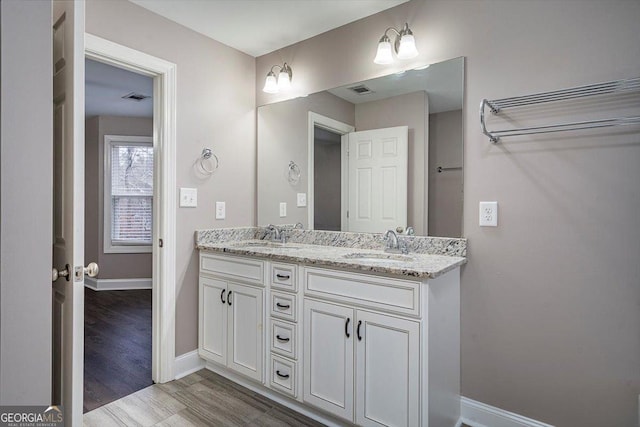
207	155
293	174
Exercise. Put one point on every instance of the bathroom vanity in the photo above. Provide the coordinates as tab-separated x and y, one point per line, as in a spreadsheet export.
331	325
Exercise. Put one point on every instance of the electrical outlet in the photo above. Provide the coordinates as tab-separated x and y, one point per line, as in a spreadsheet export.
221	210
488	214
283	209
302	200
188	197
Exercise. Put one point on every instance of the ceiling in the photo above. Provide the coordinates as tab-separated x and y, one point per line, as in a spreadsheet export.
105	86
257	27
444	82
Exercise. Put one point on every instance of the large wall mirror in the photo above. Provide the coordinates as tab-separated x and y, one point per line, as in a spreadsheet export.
380	154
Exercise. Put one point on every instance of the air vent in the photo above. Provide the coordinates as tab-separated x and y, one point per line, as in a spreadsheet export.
361	89
136	96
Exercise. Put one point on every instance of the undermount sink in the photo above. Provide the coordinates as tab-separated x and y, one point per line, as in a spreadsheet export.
259	244
382	257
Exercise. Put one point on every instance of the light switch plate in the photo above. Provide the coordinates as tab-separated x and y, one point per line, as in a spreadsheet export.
188	197
302	200
488	214
283	209
221	210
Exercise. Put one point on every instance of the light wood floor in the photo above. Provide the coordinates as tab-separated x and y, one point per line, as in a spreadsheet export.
200	399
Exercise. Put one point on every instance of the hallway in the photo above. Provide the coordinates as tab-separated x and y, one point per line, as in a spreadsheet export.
117	345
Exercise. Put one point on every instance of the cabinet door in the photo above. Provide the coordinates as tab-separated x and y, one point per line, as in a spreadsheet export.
212	334
244	340
387	370
328	357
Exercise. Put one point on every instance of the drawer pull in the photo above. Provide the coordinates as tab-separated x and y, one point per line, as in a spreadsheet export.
283	306
346	327
222	296
283	276
358	330
285	339
285	376
229	297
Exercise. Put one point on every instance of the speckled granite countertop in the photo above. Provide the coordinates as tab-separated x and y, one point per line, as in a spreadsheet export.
429	257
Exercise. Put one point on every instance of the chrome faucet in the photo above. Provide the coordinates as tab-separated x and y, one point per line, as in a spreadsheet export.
394	243
274	231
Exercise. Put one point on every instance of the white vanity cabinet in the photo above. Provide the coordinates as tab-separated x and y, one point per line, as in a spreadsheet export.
367	350
357	353
231	313
355	347
284	334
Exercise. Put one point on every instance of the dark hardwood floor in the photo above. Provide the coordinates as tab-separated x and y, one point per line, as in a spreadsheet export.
117	345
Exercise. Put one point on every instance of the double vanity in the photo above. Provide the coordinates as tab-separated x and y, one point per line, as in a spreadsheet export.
332	325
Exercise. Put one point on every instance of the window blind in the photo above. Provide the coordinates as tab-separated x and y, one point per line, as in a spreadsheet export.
131	194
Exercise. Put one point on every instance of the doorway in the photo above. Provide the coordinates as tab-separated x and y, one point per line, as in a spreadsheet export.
119	193
163	242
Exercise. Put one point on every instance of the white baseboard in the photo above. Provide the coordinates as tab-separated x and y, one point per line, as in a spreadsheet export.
478	414
117	284
187	363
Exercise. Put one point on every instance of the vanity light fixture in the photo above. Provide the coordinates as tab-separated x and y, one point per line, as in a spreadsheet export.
283	82
404	45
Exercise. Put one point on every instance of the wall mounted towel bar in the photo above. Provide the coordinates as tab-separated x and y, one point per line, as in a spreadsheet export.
441	169
496	106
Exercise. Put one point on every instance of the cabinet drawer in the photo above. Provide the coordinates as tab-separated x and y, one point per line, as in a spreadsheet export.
237	268
283	338
283	375
380	293
283	306
283	276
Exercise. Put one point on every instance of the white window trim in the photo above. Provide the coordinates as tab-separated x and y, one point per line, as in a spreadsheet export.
108	247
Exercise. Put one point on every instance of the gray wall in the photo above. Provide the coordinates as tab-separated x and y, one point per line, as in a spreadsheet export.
112	266
445	188
282	137
409	110
550	298
215	109
26	202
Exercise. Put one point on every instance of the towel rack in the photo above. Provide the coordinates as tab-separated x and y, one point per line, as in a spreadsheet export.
496	106
440	169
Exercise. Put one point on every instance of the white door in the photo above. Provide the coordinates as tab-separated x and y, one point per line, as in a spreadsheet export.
378	169
387	371
68	209
328	357
245	334
213	323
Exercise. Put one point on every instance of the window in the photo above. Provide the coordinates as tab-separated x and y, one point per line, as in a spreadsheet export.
128	193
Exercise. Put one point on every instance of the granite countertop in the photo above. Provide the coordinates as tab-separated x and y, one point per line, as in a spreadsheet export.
356	257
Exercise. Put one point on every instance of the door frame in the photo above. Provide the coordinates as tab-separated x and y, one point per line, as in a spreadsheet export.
340	128
164	204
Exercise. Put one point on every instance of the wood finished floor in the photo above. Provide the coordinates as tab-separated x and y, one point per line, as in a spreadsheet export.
117	345
200	399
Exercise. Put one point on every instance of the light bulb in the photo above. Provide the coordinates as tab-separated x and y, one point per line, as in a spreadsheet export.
284	83
384	56
270	84
407	49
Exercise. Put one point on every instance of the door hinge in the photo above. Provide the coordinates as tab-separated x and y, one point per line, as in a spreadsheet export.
347	214
160	243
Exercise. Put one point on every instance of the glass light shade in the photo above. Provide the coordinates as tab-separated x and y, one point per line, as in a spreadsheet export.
270	84
383	56
407	49
284	82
